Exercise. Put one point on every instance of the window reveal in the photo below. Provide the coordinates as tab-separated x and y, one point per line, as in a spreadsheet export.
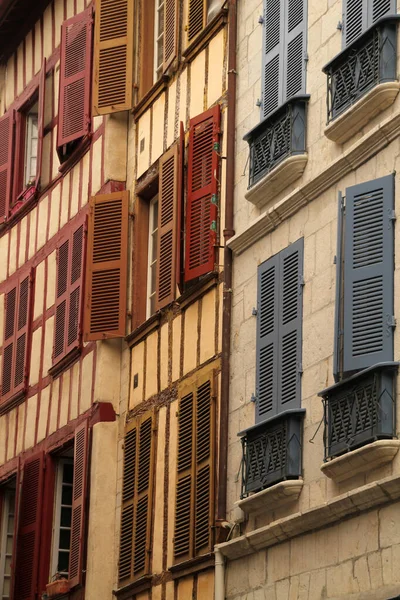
31	146
7	542
159	23
62	518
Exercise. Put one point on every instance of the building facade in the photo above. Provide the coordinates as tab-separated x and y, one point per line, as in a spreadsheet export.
313	467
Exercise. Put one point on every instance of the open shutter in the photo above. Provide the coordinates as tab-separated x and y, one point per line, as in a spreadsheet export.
167	228
295	46
75	291
202	196
170	32
6	162
267	339
61	305
75	80
41	109
11	300
290	326
79	489
113	56
128	496
369	274
106	280
28	540
180	204
184	506
197	18
16	524
273	55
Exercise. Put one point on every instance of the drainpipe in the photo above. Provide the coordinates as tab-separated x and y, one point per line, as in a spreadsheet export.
219	581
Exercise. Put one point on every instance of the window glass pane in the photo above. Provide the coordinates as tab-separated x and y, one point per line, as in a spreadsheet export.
8	564
65	539
6	587
68	473
63	560
9	544
66	516
66	497
154	247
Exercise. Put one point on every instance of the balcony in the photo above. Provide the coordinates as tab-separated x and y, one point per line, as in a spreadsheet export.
271	452
362	80
277	150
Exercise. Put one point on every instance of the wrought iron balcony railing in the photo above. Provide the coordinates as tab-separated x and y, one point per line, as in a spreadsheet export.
371	59
281	134
360	410
272	451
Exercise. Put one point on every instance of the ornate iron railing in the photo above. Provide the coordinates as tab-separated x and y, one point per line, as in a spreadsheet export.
271	452
369	60
281	134
359	410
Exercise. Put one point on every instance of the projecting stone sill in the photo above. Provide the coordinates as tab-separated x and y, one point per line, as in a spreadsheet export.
281	176
365	497
271	498
361	460
362	112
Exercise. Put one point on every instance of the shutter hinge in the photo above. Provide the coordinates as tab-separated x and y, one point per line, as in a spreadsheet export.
258	102
261	20
217	147
391	321
214	199
302	283
254	312
339	26
306	57
253	398
213	226
335	260
392	215
300	368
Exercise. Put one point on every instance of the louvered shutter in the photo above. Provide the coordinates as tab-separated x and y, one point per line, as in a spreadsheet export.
75	288
337	349
61	304
267	339
295	47
197	18
358	15
202	195
128	496
11	300
180	206
41	109
369	274
170	32
290	326
6	162
167	228
15	530
184	506
273	55
380	8
75	78
79	491
106	280
29	529
113	56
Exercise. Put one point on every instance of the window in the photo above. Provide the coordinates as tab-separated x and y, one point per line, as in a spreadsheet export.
201	12
159	39
152	257
7	539
359	15
31	146
62	517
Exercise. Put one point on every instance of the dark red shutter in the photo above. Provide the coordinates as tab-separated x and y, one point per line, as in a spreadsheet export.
202	195
61	306
9	341
75	78
41	108
6	162
179	210
75	293
16	523
28	541
78	504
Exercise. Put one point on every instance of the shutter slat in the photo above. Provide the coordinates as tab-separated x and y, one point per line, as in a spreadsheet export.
6	161
41	109
180	205
185	483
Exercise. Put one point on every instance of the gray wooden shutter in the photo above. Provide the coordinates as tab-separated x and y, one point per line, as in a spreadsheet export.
369	274
358	15
267	339
337	350
379	8
290	326
272	65
295	47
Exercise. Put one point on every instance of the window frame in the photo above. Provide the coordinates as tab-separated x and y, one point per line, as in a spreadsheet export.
151	260
55	544
6	504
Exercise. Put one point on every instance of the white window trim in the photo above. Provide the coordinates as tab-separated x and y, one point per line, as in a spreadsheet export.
153	229
31	117
55	547
159	6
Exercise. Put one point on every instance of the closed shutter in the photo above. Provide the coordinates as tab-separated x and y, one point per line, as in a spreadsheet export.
167	228
379	8
6	162
113	56
143	508
9	342
29	529
61	304
79	491
295	48
75	78
272	64
180	206
369	274
197	18
202	195
170	32
106	281
15	529
41	109
358	15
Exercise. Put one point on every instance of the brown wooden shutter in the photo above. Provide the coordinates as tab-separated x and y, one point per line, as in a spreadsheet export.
128	496
202	195
113	56
106	280
170	32
29	529
180	216
75	78
41	109
197	17
79	490
6	162
167	228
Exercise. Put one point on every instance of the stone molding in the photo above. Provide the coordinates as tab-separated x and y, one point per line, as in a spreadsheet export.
363	498
361	151
362	112
361	460
272	498
279	178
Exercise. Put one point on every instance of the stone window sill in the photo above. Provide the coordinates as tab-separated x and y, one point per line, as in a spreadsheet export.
362	112
272	498
278	179
362	460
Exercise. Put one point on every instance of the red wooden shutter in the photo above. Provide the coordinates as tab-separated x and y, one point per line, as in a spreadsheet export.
75	78
81	452
61	307
6	162
75	292
41	108
167	231
170	32
202	195
9	342
106	279
16	524
28	541
179	220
